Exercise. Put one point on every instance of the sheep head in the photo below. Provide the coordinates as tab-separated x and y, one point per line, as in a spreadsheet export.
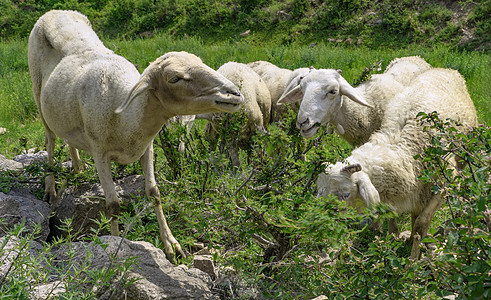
322	93
185	85
347	182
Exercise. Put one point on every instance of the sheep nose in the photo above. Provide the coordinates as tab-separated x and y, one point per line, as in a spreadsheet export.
235	93
300	123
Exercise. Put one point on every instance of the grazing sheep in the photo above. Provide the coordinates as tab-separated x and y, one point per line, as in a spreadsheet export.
97	101
257	105
277	79
185	120
326	99
384	168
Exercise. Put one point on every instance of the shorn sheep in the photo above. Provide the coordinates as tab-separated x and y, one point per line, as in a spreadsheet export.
384	169
257	105
277	80
326	98
97	101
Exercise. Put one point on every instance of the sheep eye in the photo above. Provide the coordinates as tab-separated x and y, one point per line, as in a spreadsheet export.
333	92
174	79
343	196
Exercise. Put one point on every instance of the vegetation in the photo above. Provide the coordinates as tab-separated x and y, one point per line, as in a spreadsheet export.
377	24
263	218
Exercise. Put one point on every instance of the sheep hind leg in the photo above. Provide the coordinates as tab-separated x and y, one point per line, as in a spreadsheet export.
49	182
169	241
75	159
421	223
103	166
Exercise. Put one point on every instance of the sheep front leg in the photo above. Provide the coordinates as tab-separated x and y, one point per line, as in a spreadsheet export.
153	194
103	166
421	223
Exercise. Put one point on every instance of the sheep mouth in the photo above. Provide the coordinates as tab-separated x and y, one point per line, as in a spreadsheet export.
227	106
310	132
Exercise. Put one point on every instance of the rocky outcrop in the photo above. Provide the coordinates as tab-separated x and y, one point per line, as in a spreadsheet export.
21	206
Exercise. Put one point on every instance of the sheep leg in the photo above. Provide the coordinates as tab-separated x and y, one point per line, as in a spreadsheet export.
168	239
75	159
103	166
49	182
421	223
392	228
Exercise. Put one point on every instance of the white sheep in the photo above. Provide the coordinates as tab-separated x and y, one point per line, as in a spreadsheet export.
384	169
326	98
97	101
257	105
277	80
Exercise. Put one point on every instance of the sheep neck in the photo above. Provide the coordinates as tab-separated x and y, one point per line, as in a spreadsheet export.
357	120
151	117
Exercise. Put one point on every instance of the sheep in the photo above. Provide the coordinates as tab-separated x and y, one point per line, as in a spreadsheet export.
98	102
384	169
257	105
326	99
277	79
185	120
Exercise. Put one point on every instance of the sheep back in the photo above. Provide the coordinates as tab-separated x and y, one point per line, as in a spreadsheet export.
257	100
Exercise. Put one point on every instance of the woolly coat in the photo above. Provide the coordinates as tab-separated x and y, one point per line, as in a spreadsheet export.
388	157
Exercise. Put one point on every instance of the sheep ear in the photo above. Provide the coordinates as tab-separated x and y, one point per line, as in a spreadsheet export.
367	190
350	169
292	96
141	86
346	89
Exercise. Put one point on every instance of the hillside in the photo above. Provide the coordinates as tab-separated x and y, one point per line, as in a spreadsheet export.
382	23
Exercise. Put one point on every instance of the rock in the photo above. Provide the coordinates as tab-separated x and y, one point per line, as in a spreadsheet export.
159	279
205	264
283	15
85	202
20	205
154	276
9	165
348	41
245	33
9	253
359	42
52	289
29	158
231	285
321	297
3	130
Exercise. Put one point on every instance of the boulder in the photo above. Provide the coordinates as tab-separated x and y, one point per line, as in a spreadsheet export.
9	165
85	202
153	275
32	157
20	205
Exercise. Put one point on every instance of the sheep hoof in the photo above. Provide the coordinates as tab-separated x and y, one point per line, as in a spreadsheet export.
173	250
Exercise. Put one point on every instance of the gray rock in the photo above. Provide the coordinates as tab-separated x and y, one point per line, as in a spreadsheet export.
19	205
160	279
155	277
84	203
13	252
9	165
205	263
29	158
47	291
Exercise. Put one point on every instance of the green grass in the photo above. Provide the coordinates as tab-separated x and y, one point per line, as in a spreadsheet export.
18	112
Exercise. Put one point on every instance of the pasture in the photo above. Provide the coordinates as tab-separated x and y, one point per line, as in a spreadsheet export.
316	245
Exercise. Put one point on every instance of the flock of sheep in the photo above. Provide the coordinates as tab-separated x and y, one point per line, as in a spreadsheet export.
98	102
